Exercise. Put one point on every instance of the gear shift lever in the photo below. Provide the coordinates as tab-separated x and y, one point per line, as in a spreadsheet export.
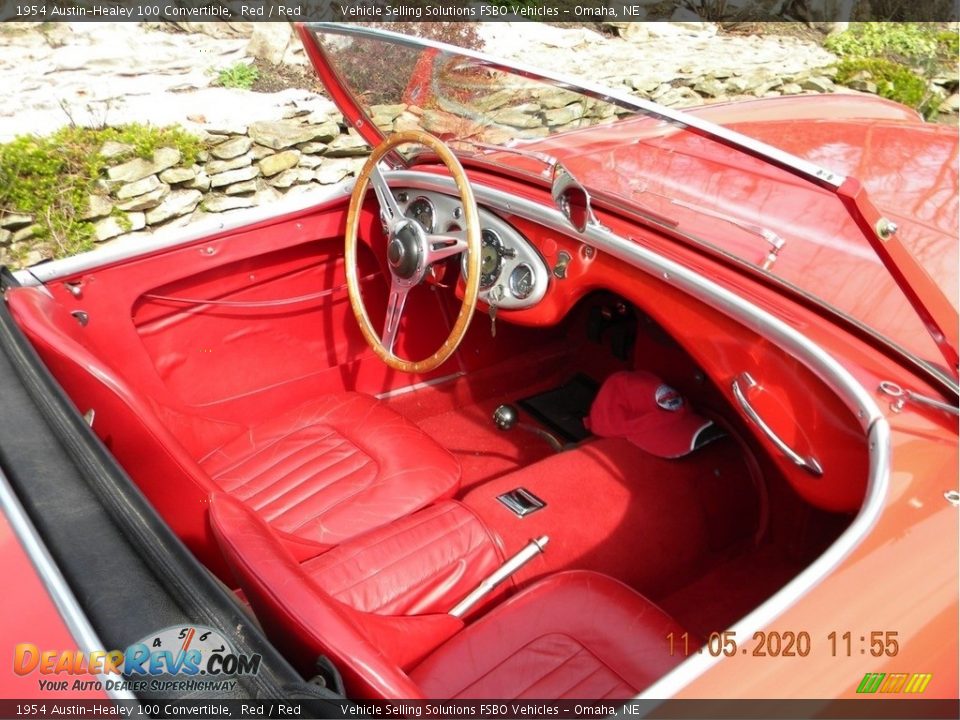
506	417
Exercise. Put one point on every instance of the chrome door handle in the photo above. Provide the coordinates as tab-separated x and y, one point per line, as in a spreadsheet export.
744	382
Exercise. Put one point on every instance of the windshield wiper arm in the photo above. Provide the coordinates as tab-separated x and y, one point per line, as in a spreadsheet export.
775	241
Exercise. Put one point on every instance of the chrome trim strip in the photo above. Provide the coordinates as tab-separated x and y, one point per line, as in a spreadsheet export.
56	585
420	385
822	364
165	239
802	167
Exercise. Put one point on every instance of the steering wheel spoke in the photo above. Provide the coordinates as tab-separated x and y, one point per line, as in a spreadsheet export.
395	305
440	247
389	210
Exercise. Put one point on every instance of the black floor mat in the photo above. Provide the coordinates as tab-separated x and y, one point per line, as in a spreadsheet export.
563	408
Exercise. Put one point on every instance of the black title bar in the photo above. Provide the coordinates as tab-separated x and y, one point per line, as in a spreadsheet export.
442	10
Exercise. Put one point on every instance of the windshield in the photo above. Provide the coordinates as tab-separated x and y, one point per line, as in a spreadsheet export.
469	104
780	215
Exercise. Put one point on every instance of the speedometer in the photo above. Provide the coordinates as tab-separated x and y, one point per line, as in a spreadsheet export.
492	253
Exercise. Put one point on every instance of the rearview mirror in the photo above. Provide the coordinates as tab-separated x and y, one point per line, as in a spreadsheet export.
572	199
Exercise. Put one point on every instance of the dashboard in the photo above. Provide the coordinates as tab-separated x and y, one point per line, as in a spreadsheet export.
691	308
513	274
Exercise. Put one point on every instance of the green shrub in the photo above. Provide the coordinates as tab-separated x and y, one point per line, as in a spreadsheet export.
948	46
52	177
900	10
239	75
36	179
145	139
914	43
902	59
894	82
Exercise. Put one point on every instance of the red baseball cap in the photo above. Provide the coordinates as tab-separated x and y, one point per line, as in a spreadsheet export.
640	407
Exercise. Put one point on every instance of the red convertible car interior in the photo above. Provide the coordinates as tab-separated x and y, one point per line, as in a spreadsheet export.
320	472
594	458
375	517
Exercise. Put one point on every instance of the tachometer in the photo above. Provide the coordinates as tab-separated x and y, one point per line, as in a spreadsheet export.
422	211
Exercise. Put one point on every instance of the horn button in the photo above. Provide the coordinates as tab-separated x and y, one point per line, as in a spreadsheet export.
405	249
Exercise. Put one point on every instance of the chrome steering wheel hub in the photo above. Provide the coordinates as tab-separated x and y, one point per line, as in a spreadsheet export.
405	250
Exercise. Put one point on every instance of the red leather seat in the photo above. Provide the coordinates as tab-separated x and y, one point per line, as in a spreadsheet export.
576	634
422	563
328	470
333	468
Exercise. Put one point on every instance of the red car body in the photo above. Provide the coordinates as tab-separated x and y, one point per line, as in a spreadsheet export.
837	319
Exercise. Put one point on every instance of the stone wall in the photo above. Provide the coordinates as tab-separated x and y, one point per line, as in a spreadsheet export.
241	166
308	146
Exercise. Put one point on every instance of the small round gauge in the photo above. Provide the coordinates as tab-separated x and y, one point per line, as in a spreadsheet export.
421	210
521	281
491	258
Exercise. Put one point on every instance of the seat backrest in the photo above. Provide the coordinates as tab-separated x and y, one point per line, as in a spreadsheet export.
371	651
126	422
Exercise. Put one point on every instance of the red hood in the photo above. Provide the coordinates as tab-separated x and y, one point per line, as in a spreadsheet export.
908	170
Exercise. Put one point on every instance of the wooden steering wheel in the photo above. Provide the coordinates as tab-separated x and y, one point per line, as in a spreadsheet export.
410	252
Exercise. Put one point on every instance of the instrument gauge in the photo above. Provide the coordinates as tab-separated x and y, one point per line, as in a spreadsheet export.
521	281
423	213
491	258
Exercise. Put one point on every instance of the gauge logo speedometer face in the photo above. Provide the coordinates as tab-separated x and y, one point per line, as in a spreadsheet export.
179	638
189	651
491	257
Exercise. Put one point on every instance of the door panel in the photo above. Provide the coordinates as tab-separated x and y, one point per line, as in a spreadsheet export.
240	363
208	354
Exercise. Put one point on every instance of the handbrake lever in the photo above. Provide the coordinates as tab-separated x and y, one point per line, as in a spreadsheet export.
489	583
